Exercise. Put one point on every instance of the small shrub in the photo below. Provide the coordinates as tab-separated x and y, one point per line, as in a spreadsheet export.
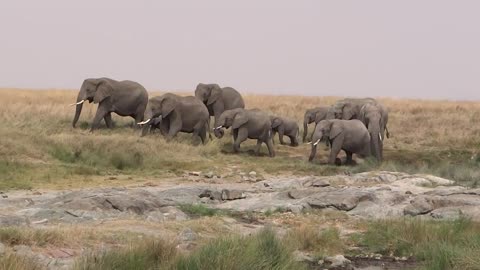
438	244
260	251
15	262
198	210
25	236
309	238
156	254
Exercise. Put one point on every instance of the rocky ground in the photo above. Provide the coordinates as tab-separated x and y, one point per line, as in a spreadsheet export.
147	208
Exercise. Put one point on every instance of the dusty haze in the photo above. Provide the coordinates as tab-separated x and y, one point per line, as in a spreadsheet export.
421	49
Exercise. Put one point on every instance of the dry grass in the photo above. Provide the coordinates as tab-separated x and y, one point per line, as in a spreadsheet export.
39	148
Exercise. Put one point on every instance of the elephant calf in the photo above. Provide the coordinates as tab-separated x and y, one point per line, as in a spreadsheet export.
350	136
285	126
316	115
247	124
178	114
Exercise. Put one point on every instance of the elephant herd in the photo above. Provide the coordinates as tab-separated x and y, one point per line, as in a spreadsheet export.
356	126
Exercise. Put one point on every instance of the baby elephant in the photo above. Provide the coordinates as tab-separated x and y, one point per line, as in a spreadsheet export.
350	136
285	126
251	124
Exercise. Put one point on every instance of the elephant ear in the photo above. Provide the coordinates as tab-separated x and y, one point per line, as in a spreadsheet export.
214	95
276	122
335	130
104	90
168	105
363	115
240	119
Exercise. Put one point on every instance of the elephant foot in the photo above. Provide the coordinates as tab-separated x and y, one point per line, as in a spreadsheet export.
338	162
350	162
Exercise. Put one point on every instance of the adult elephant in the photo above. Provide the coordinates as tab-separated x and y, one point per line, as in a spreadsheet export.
125	98
350	136
349	108
178	114
247	124
375	118
316	115
218	99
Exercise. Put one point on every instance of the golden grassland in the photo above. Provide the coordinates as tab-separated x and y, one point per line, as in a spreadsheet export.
39	148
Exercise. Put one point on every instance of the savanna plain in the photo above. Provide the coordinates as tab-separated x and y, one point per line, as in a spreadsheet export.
41	154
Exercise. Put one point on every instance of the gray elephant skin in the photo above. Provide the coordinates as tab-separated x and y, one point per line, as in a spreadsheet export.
218	99
125	98
348	108
350	136
178	114
285	127
316	115
247	124
375	118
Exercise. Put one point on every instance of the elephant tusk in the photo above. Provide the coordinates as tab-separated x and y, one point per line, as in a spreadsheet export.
78	103
380	137
316	142
219	127
144	122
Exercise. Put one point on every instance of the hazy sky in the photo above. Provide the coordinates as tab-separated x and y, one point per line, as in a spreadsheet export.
403	48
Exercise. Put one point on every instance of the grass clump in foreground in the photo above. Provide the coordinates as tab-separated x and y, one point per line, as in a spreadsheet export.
261	251
14	262
321	242
436	244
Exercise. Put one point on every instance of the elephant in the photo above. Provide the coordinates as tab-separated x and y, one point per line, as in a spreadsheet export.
125	98
285	126
251	124
178	114
348	108
316	115
375	118
218	99
350	136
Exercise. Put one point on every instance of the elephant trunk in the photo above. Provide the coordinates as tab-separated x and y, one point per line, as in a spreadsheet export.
79	106
305	128
375	145
316	138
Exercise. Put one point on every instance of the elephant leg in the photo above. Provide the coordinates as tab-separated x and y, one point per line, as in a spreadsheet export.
293	141
349	158
235	134
164	127
281	132
242	135
336	147
108	120
274	132
271	150
257	147
99	115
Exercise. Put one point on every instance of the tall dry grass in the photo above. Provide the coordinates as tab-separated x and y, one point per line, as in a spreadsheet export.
40	148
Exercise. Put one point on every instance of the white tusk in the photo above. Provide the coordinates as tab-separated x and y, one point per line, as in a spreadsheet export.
78	103
144	122
219	127
316	142
380	136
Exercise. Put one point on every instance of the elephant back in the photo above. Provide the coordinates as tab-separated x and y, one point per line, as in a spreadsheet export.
232	99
